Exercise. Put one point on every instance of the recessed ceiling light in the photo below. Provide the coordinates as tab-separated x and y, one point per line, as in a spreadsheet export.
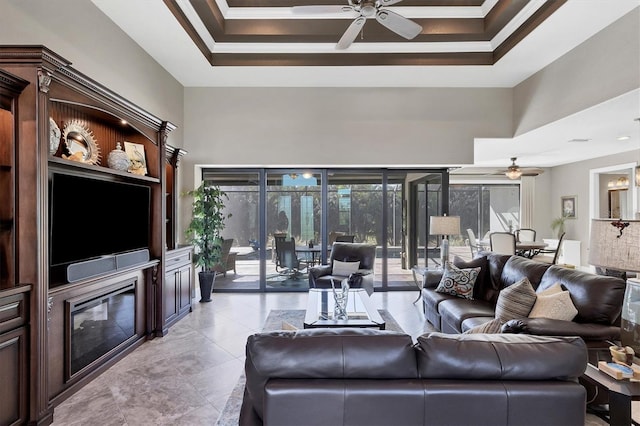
623	138
123	122
579	140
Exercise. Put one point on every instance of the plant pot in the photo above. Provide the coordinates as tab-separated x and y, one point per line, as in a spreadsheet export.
206	280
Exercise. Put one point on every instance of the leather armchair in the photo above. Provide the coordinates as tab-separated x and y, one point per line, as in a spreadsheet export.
321	276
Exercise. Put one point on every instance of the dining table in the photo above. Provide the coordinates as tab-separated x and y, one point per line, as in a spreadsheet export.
313	255
523	248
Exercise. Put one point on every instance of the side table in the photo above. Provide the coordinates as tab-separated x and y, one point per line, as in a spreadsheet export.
621	393
424	273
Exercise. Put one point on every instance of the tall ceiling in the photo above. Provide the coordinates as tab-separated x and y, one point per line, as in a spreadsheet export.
463	43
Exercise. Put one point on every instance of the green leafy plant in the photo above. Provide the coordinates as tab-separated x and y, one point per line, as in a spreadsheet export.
207	223
558	224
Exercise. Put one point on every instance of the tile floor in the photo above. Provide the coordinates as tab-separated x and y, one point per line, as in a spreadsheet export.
186	377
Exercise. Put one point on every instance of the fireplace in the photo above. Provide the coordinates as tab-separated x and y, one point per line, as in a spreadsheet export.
97	325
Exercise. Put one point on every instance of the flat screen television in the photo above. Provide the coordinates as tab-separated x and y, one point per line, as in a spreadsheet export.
91	218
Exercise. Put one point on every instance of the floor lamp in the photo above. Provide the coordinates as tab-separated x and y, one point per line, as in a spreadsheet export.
445	226
615	244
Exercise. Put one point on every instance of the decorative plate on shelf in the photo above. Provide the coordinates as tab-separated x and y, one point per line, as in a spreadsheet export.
54	136
80	143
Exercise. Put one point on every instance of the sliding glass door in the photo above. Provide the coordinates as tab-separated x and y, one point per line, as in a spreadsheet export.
286	220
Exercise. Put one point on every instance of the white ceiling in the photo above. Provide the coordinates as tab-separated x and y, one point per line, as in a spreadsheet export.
155	29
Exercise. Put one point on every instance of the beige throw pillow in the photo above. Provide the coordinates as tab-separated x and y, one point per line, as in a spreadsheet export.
555	306
344	269
556	288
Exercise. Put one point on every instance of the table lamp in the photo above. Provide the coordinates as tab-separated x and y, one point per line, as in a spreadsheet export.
615	244
445	226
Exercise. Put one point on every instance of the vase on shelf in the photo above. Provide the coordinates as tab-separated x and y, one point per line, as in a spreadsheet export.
118	159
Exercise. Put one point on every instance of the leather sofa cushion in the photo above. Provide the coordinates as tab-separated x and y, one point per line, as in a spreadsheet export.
455	311
500	357
324	353
495	262
597	298
518	267
319	402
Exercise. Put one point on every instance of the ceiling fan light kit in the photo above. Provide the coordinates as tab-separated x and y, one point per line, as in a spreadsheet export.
513	171
367	9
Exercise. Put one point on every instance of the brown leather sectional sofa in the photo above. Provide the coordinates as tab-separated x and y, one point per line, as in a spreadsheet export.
597	298
372	377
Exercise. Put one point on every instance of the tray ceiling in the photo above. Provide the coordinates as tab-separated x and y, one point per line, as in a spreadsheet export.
268	33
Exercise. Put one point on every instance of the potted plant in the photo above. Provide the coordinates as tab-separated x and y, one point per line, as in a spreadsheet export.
207	222
558	223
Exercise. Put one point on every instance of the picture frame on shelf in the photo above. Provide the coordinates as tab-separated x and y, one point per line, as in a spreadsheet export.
137	158
569	206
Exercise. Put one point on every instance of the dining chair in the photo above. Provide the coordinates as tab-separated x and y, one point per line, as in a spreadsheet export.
503	242
526	234
345	238
473	242
550	255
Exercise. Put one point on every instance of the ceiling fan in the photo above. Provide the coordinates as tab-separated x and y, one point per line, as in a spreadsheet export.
514	171
363	9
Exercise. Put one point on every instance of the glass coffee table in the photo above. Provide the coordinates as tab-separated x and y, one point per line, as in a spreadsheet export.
360	310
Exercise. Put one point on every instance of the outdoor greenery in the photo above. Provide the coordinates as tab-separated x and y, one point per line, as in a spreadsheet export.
207	223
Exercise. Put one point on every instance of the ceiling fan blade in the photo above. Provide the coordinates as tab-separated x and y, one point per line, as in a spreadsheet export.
398	24
320	10
352	32
389	2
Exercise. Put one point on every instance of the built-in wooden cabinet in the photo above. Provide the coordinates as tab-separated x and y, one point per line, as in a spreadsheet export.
91	241
177	284
14	296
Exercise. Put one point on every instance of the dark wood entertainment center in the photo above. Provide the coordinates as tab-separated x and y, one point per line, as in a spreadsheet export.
47	351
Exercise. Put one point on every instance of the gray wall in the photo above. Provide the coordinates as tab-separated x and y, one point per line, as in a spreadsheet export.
82	34
601	68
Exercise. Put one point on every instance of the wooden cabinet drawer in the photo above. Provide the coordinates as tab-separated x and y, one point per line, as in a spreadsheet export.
13	312
177	260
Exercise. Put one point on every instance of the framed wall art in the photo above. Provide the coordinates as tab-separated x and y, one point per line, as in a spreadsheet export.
569	206
135	152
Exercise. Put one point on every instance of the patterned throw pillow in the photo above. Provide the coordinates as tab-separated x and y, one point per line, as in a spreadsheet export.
515	301
458	282
555	306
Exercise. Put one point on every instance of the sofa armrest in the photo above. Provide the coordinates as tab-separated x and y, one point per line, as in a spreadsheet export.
320	270
553	327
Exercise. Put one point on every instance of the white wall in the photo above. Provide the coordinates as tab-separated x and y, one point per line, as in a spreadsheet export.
79	32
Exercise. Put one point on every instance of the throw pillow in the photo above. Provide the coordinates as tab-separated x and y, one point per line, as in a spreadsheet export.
555	306
479	262
492	327
344	269
515	301
556	288
458	282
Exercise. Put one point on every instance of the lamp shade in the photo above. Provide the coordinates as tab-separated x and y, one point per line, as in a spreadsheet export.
444	225
615	244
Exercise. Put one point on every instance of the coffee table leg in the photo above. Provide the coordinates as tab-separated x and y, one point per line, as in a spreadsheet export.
619	409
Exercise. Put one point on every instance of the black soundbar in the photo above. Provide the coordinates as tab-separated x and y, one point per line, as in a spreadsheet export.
91	268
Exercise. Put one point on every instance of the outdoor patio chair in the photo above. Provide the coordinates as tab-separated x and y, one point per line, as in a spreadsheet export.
288	263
